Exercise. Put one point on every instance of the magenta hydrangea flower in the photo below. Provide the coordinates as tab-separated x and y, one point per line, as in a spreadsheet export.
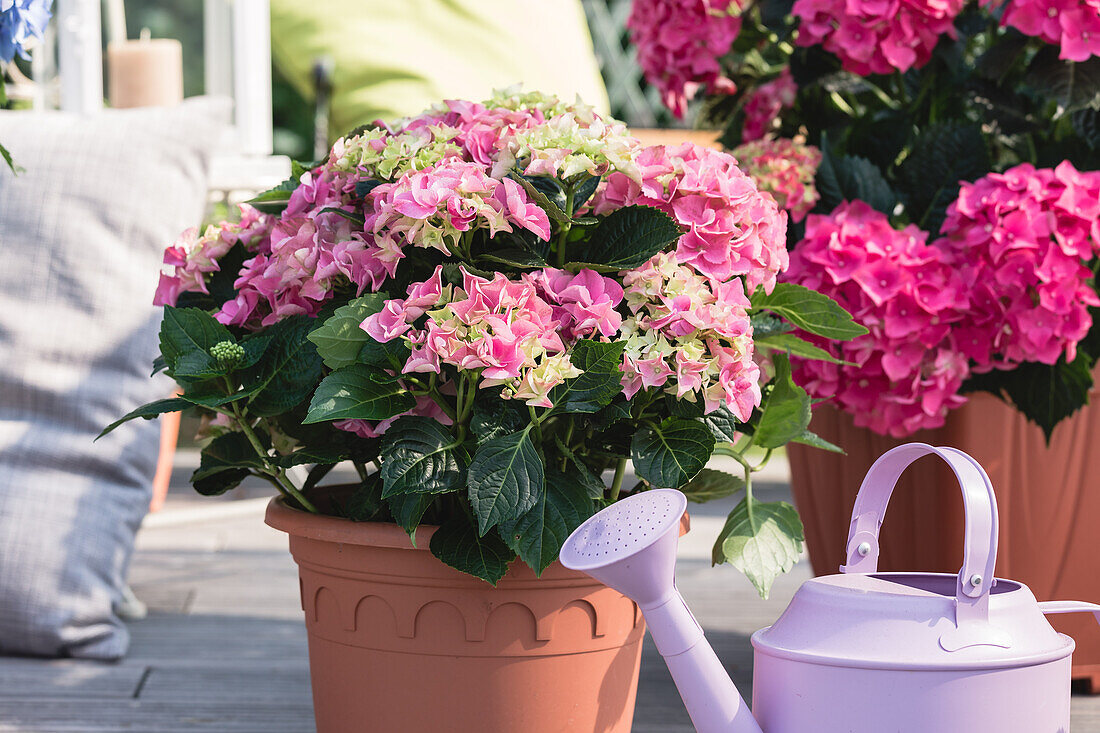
876	36
784	168
1022	238
679	43
1073	25
765	103
905	373
731	228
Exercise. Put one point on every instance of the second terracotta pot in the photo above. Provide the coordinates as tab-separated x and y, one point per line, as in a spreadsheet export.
398	641
1048	499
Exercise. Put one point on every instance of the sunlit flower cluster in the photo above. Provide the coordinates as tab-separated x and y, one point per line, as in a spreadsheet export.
730	229
499	327
442	189
784	168
691	335
679	43
1021	239
904	375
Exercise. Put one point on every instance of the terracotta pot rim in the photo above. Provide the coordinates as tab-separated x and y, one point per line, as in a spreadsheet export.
327	528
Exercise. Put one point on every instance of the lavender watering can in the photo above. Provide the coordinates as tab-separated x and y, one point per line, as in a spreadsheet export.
862	651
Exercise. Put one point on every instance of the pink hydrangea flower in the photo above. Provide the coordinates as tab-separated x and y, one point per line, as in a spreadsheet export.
584	303
501	327
433	206
193	258
784	168
765	103
1073	25
679	43
1022	239
875	37
731	228
690	334
906	372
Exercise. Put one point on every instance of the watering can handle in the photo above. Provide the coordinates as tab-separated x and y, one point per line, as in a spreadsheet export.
980	548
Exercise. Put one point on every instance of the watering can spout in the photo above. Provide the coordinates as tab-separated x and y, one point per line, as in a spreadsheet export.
631	547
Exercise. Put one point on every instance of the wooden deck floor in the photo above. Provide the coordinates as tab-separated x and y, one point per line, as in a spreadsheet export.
224	649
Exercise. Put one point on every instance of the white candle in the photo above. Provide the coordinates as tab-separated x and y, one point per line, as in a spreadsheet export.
145	73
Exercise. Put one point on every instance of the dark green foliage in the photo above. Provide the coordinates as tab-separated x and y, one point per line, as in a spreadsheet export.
459	544
670	454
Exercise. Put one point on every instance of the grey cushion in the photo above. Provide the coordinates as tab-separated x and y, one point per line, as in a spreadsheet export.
82	232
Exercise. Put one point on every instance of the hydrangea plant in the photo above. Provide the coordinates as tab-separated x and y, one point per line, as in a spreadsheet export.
491	310
954	151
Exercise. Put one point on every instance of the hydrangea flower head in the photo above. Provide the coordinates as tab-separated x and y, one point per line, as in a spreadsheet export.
784	168
691	335
731	228
1073	25
192	258
1022	238
765	103
874	37
679	43
20	22
906	372
499	327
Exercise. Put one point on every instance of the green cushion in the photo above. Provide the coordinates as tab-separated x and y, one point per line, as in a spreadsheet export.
393	59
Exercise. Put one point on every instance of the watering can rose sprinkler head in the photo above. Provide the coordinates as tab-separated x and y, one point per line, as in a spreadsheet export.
631	547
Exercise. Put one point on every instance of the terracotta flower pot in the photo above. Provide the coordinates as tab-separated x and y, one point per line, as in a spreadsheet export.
398	641
1047	497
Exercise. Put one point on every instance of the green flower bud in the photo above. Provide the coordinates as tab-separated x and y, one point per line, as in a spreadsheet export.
227	353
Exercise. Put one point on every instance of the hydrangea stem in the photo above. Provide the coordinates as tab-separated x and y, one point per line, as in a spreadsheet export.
617	482
563	235
281	480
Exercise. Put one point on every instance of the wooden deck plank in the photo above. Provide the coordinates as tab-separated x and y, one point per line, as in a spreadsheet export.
28	678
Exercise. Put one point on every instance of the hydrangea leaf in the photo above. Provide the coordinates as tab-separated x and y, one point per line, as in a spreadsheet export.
289	370
629	236
600	382
358	392
340	339
537	536
505	479
419	456
148	412
458	544
785	411
188	334
709	484
670	454
809	310
762	540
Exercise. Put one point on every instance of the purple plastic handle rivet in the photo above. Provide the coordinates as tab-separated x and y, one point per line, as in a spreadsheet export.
864	549
975	580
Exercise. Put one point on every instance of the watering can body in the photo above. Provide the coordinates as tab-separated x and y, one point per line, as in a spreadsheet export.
861	651
870	652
